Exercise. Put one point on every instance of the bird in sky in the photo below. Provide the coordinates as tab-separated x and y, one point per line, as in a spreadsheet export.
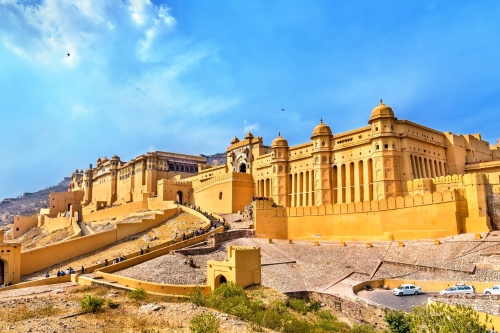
282	109
68	54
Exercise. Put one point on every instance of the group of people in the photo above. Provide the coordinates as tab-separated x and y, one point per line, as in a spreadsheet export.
61	272
142	251
119	259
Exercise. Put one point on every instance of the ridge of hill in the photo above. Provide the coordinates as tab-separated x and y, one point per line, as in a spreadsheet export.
29	203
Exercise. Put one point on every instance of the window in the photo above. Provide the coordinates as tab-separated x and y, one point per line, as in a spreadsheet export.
220	195
377	147
386	146
376	129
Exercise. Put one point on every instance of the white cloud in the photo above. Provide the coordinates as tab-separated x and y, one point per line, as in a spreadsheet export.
249	127
80	111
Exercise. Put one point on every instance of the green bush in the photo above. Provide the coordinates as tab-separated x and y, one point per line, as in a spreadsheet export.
314	306
204	323
298	305
362	328
138	294
197	297
397	322
91	303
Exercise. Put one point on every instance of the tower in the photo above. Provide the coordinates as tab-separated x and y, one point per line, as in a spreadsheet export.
321	153
386	156
279	161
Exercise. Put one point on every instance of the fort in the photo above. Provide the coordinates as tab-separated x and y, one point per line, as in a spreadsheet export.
393	180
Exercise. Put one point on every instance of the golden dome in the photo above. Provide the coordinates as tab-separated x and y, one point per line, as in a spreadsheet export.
381	111
235	140
115	157
279	142
321	129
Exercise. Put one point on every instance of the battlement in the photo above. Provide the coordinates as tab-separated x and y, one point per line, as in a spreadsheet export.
359	207
231	176
457	181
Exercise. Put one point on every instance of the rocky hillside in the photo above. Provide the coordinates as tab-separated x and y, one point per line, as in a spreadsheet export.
28	203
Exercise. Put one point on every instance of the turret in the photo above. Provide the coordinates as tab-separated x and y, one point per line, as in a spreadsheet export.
279	162
321	152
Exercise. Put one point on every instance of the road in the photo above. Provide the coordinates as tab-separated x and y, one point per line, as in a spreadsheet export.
386	298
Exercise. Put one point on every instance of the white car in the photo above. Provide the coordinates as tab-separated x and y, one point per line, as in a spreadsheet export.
495	290
458	289
406	289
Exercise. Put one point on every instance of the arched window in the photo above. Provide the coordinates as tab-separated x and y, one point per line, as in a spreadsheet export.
220	195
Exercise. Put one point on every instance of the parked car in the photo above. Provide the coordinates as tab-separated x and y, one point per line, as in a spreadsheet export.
458	289
495	290
406	289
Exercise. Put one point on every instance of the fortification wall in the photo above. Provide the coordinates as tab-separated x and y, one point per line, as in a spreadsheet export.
56	223
127	229
37	259
428	216
23	224
107	213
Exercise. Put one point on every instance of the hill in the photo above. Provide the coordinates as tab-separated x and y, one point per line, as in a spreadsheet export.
29	203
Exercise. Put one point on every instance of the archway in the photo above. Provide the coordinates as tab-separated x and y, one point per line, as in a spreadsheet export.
2	272
243	167
220	280
179	197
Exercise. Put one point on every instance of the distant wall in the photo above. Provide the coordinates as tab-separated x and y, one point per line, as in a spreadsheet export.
37	259
22	224
107	213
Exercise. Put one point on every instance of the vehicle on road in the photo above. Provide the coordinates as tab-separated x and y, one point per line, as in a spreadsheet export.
407	289
458	289
495	290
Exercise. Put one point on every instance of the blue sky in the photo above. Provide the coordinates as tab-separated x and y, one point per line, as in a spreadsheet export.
187	76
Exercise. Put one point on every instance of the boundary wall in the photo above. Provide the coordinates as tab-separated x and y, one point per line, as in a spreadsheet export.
37	259
23	224
495	320
432	215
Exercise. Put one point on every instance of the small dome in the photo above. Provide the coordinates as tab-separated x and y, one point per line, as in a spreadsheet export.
321	129
381	111
249	135
105	159
115	157
81	170
235	140
279	142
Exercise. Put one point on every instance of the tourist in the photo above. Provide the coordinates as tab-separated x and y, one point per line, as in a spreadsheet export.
71	270
68	272
142	251
105	262
83	270
147	249
47	275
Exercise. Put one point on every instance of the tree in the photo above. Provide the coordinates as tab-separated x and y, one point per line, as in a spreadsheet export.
443	318
397	322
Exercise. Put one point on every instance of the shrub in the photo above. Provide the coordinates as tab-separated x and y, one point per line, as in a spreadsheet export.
397	322
204	323
196	297
314	306
298	305
138	294
362	328
91	303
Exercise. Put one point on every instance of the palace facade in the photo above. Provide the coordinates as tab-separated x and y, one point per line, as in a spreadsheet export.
389	165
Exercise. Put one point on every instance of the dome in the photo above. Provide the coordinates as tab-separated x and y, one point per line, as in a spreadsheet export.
321	129
235	140
249	135
381	111
279	142
115	157
105	159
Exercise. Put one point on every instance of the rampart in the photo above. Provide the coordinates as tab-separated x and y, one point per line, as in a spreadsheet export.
22	224
228	177
431	215
37	259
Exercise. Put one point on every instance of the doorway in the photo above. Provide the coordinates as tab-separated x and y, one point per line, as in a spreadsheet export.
179	197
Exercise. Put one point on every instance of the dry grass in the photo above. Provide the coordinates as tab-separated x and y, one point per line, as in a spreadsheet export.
22	312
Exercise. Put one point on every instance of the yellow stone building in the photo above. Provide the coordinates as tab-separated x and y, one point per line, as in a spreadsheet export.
385	175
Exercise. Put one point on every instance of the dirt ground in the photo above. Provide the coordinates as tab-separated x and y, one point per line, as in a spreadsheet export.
57	309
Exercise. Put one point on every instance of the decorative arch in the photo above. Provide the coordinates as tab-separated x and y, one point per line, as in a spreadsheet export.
243	167
3	266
